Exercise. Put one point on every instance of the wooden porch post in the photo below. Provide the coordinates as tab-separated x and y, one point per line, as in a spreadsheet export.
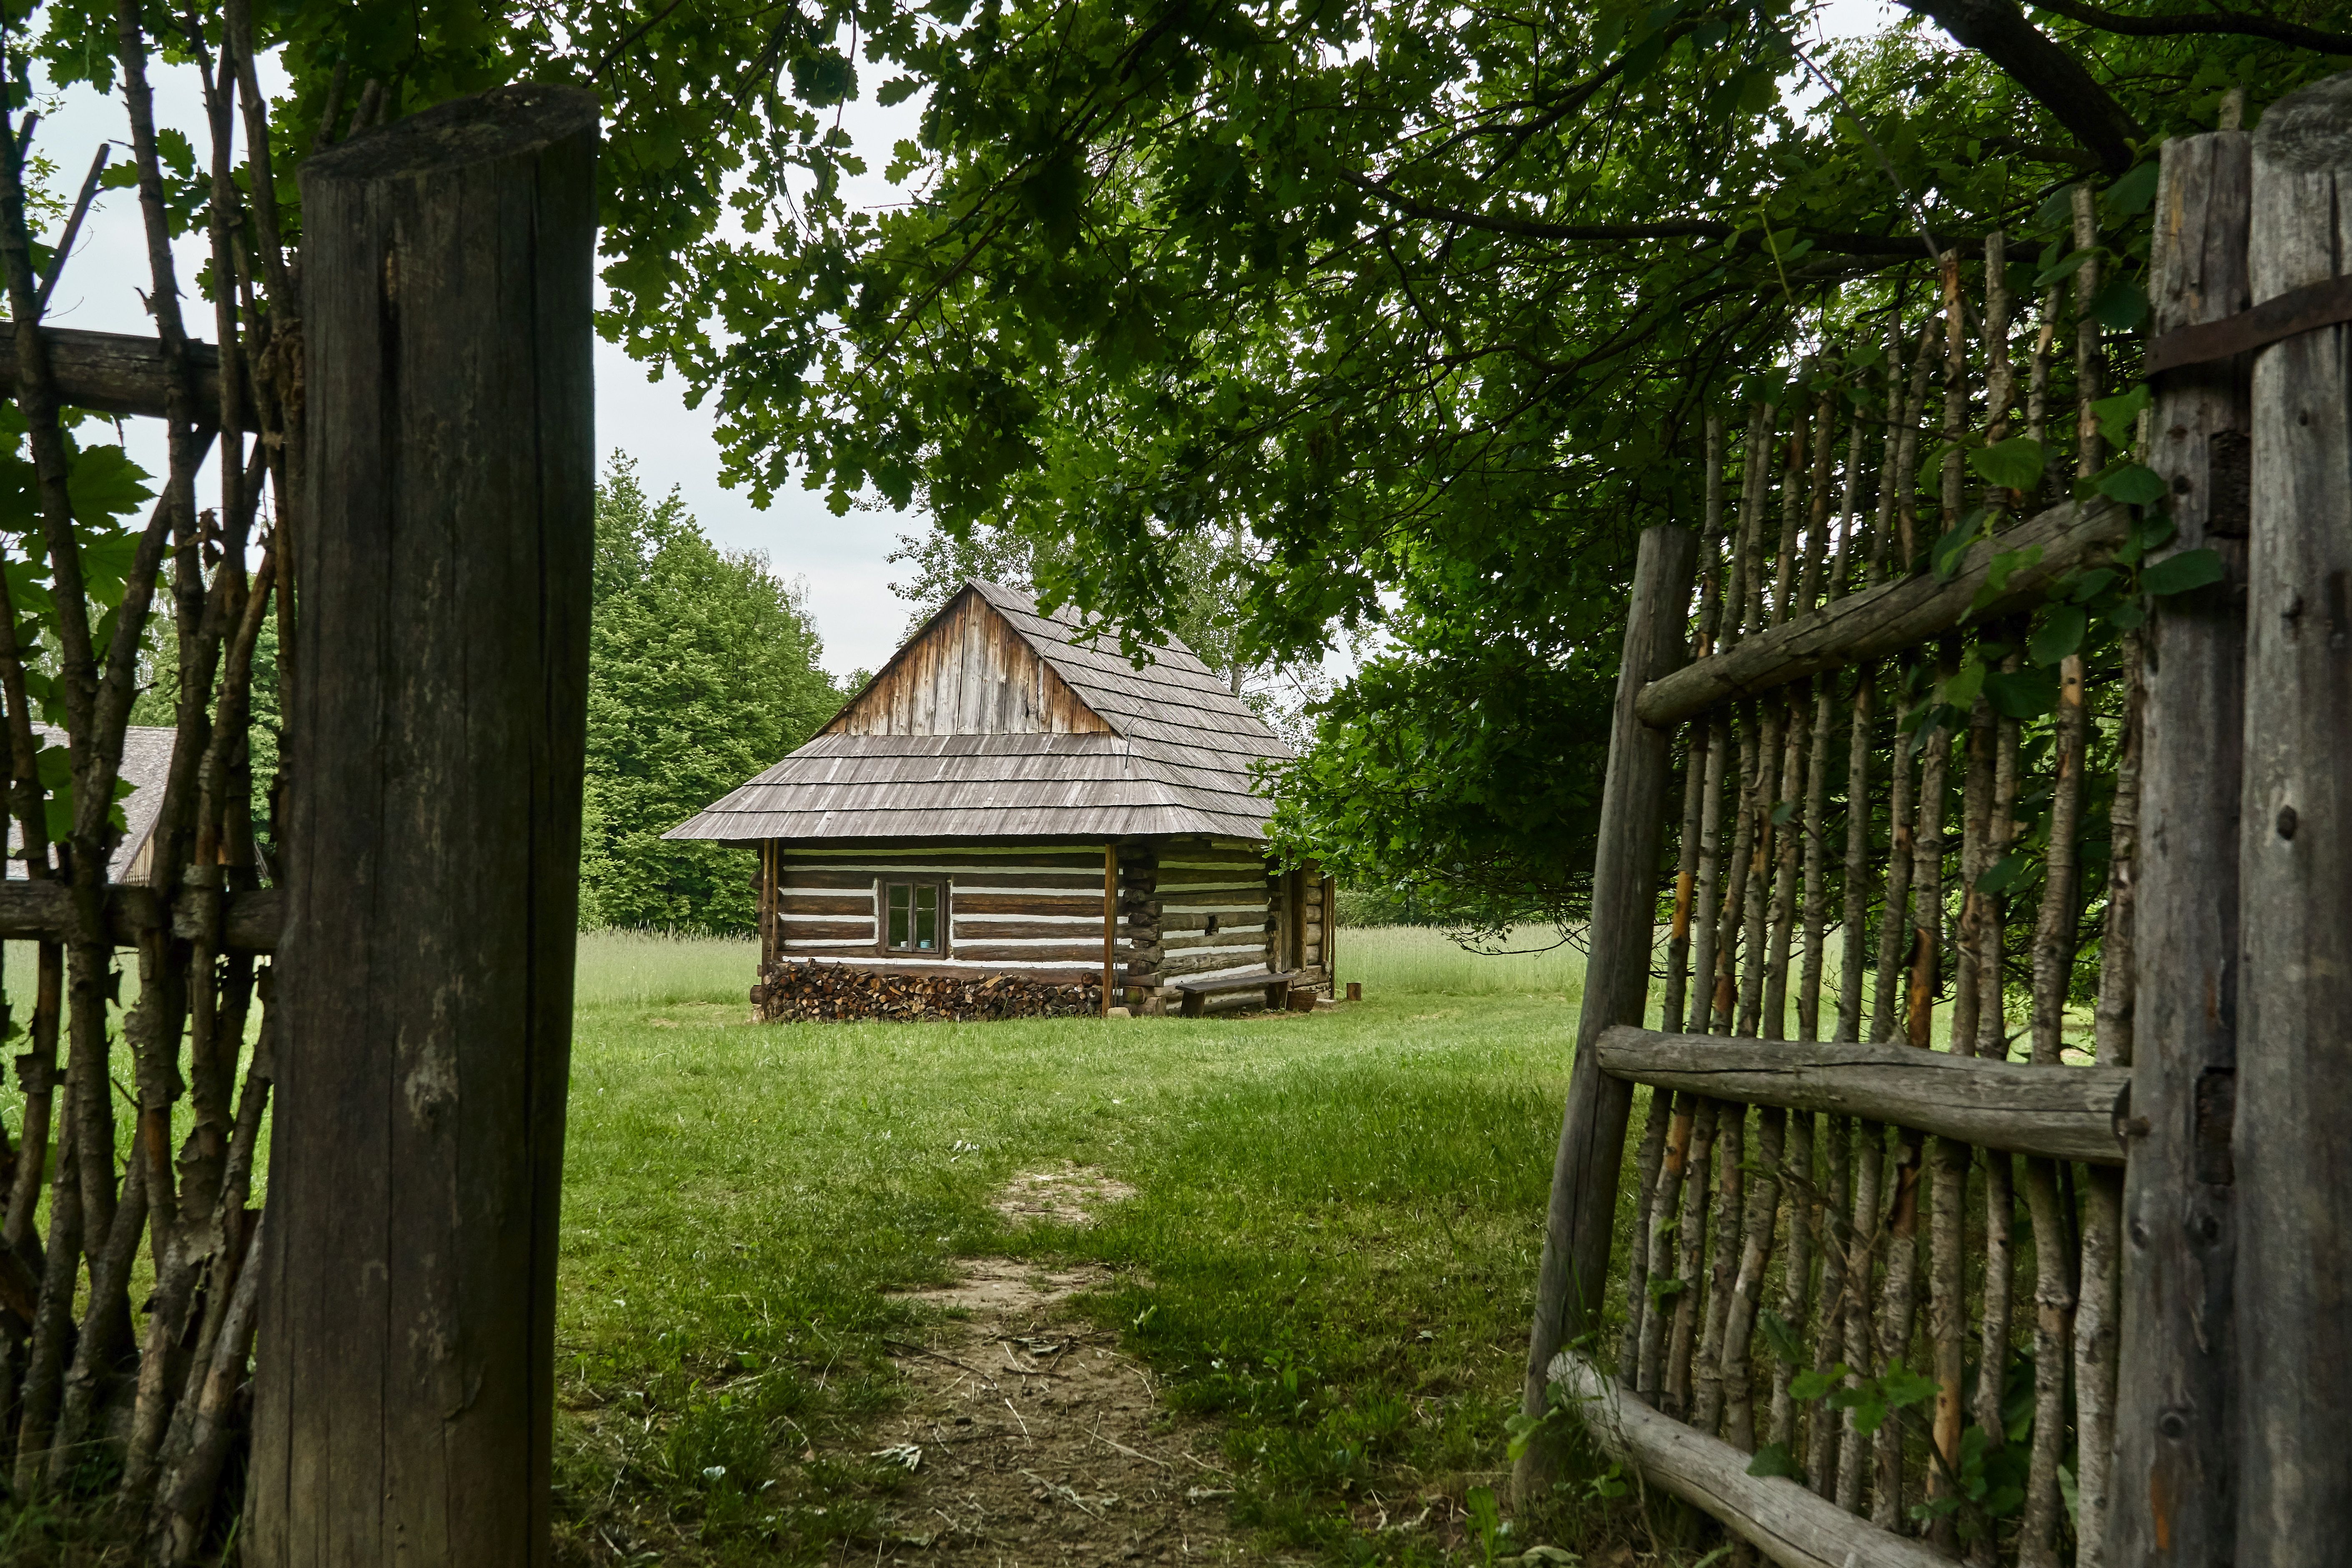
2293	1167
405	1396
1110	921
1577	1233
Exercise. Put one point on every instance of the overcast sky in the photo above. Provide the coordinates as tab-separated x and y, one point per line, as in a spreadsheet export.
842	559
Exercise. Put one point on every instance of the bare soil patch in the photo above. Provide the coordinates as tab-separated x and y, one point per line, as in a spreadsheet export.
1073	1195
1030	1440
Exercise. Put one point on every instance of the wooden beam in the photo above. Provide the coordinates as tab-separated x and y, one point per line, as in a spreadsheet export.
1573	1273
2294	1080
2169	1491
1110	921
1884	620
112	373
1791	1526
405	1398
43	911
2058	1113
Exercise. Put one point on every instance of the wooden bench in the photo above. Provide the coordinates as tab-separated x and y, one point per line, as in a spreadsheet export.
1197	992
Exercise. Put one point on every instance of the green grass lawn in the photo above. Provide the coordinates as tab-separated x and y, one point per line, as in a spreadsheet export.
1331	1251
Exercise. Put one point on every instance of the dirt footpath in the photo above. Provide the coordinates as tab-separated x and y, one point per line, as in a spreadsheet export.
1031	1442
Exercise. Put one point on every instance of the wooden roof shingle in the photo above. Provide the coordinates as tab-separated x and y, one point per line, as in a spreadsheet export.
1174	756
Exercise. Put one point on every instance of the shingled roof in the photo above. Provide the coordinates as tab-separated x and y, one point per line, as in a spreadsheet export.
1111	752
146	763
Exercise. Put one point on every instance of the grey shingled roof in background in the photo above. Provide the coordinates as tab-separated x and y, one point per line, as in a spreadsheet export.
1178	761
146	760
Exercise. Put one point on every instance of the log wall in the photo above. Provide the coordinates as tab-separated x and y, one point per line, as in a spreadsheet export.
1184	909
1035	910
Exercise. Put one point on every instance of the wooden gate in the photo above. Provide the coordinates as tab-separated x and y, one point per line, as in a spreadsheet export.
1965	1258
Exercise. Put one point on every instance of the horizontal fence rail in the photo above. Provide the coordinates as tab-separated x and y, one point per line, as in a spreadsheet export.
1791	1526
1878	622
44	912
114	372
2068	1113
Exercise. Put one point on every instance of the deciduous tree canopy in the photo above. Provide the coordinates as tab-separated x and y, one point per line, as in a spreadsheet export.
702	671
1423	301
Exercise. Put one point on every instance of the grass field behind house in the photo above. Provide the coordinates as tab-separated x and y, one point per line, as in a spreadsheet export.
1331	1251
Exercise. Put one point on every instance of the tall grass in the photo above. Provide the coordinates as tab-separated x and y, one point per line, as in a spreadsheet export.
1400	959
654	969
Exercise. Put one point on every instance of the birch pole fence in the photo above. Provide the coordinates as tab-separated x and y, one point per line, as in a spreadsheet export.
404	1400
2168	807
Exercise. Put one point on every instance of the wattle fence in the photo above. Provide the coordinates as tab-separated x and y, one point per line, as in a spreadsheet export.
1974	907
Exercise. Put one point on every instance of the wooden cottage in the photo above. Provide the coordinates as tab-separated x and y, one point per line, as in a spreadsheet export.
1001	801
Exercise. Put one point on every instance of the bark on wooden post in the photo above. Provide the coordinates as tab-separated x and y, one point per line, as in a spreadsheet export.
2168	1494
404	1393
1575	1269
2293	1169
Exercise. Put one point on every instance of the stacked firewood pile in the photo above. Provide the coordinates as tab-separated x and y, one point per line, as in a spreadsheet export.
794	992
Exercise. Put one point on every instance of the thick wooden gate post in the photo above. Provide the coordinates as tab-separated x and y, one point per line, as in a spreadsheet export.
1577	1231
2168	1495
405	1392
2293	1297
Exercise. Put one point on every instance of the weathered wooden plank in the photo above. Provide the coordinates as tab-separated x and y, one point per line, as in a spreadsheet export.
1196	916
1790	1525
1249	917
112	373
967	671
1025	880
403	1404
1079	952
791	879
1075	904
960	858
1175	962
2168	1495
1574	1271
2294	1172
865	962
1179	940
801	934
250	921
1885	620
2065	1113
1255	980
792	901
863	947
1074	927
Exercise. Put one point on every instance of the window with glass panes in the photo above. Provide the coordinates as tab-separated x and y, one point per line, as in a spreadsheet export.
913	916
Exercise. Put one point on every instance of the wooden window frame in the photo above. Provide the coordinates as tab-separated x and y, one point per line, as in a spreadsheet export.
882	885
